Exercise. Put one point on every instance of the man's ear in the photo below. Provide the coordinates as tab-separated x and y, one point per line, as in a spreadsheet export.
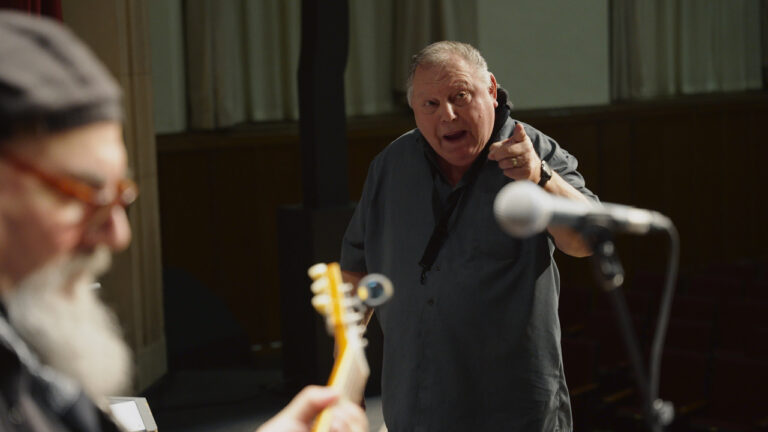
492	89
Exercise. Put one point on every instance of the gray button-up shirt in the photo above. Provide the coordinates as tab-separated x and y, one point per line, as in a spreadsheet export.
476	344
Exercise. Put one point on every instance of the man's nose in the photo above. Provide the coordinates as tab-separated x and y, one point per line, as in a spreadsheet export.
114	231
447	112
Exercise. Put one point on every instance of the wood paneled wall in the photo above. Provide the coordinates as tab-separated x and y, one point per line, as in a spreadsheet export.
697	160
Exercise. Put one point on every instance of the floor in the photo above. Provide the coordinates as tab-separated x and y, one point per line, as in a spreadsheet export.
232	400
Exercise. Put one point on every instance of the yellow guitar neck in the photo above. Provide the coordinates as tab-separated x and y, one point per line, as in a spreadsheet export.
350	375
350	371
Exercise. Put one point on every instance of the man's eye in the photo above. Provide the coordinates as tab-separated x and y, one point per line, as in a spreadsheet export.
461	97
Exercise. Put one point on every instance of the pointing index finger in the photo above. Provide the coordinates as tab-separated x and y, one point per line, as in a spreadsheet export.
519	134
495	148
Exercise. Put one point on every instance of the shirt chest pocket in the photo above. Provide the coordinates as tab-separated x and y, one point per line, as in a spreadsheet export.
488	241
495	245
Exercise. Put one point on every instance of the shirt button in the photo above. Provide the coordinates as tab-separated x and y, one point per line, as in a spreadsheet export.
431	301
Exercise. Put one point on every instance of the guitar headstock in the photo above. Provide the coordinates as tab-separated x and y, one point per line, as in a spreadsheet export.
343	307
334	300
342	304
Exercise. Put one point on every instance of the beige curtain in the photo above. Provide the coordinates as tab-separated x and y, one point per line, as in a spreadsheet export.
420	22
117	30
764	32
368	82
169	82
241	61
241	56
663	48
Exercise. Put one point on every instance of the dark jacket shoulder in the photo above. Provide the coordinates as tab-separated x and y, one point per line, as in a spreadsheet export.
35	398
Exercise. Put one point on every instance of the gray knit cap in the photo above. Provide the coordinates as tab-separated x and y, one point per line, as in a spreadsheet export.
49	80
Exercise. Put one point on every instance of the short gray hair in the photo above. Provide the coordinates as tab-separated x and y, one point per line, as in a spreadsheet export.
440	54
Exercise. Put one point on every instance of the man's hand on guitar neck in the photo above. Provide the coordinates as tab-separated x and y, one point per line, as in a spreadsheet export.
300	413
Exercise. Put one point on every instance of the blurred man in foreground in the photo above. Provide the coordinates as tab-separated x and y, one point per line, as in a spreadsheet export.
63	193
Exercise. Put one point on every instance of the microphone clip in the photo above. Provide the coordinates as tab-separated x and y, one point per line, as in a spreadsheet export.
605	260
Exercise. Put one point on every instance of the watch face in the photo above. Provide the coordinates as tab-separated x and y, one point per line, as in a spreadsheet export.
546	170
546	173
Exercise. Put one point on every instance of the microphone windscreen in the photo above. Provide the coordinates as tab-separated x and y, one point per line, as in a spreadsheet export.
522	209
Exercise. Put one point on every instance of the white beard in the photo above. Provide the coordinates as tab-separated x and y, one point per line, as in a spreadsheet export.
59	315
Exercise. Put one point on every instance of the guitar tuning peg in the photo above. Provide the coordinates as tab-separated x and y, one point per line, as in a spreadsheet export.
317	271
352	317
346	288
321	303
329	324
352	303
320	286
374	289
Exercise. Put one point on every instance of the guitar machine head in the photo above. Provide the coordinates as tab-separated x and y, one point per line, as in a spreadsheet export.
340	302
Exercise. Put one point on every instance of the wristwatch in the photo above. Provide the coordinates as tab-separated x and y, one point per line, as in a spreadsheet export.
546	173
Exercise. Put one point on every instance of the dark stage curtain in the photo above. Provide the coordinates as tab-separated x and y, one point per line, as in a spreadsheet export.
49	8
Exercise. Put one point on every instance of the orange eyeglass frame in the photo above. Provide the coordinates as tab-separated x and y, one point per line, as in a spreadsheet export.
127	191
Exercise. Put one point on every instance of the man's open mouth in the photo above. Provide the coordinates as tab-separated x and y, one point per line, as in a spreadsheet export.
454	136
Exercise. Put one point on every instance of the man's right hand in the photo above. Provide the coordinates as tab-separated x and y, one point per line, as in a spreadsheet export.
300	413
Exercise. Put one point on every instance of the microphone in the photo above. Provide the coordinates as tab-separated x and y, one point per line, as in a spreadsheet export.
523	209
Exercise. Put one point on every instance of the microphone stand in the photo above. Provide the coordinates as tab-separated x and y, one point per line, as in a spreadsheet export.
610	275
